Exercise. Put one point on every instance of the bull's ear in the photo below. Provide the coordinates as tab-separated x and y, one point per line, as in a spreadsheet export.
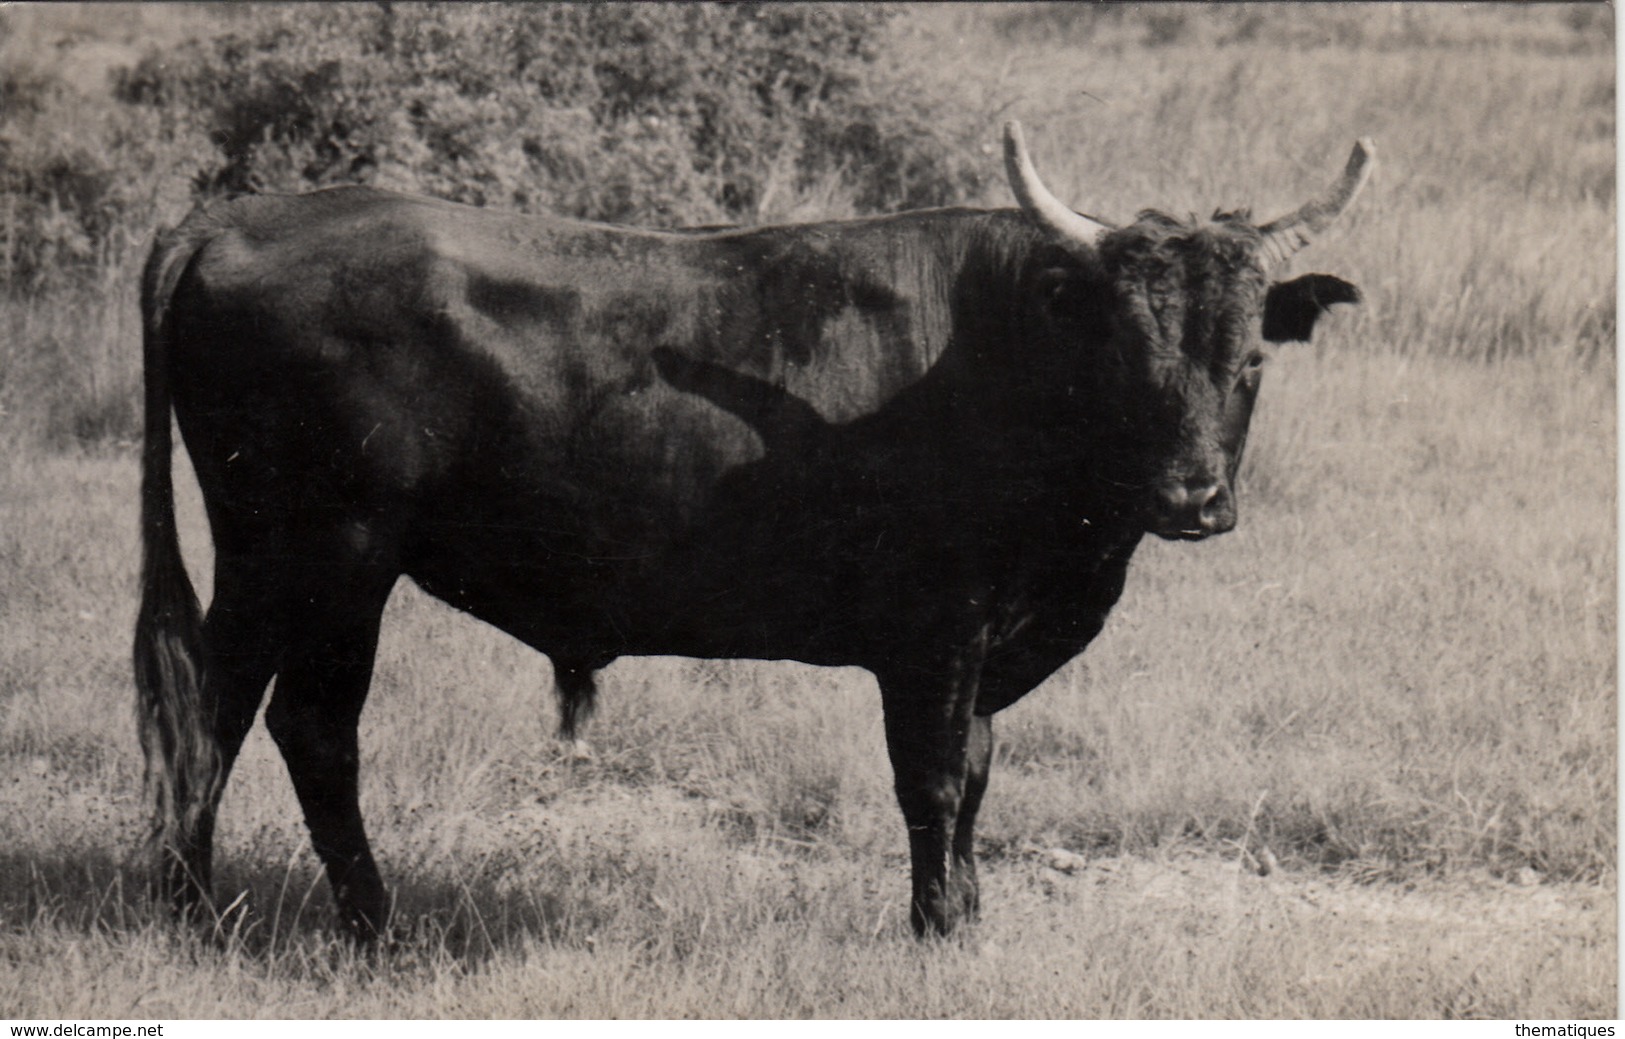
1291	307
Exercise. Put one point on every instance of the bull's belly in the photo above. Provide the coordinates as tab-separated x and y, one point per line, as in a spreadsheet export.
811	584
756	588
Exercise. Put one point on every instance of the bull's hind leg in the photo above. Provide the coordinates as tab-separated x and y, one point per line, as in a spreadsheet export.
964	890
240	644
313	717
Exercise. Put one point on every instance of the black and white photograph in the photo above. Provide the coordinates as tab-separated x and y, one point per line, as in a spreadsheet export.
808	511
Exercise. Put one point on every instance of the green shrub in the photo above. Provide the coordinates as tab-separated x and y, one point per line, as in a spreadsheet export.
686	113
60	195
80	179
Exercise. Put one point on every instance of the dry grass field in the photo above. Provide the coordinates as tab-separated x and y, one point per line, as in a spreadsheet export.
1395	681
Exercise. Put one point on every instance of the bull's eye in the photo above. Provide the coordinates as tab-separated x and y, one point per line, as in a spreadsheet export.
1252	369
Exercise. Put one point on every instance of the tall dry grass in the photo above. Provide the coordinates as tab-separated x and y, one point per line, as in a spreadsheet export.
1488	232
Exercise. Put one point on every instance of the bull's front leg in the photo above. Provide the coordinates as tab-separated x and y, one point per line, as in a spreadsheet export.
930	734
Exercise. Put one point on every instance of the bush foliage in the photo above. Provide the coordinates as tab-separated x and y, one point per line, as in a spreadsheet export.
685	113
71	201
650	113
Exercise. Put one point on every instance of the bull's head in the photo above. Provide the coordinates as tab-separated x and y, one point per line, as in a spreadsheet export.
1179	309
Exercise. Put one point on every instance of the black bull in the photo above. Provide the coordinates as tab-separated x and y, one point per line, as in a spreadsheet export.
924	444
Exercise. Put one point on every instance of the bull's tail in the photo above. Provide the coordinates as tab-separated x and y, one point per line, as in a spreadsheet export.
176	726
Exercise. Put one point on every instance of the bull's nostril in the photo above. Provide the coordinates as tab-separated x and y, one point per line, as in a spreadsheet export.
1211	497
1193	509
1175	497
1217	513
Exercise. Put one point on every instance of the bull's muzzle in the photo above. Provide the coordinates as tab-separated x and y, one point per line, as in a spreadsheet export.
1192	509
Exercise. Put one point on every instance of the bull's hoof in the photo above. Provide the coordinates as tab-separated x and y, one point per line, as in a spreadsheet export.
942	920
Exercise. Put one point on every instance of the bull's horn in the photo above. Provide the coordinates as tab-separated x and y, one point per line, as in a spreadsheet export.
1073	229
1292	232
